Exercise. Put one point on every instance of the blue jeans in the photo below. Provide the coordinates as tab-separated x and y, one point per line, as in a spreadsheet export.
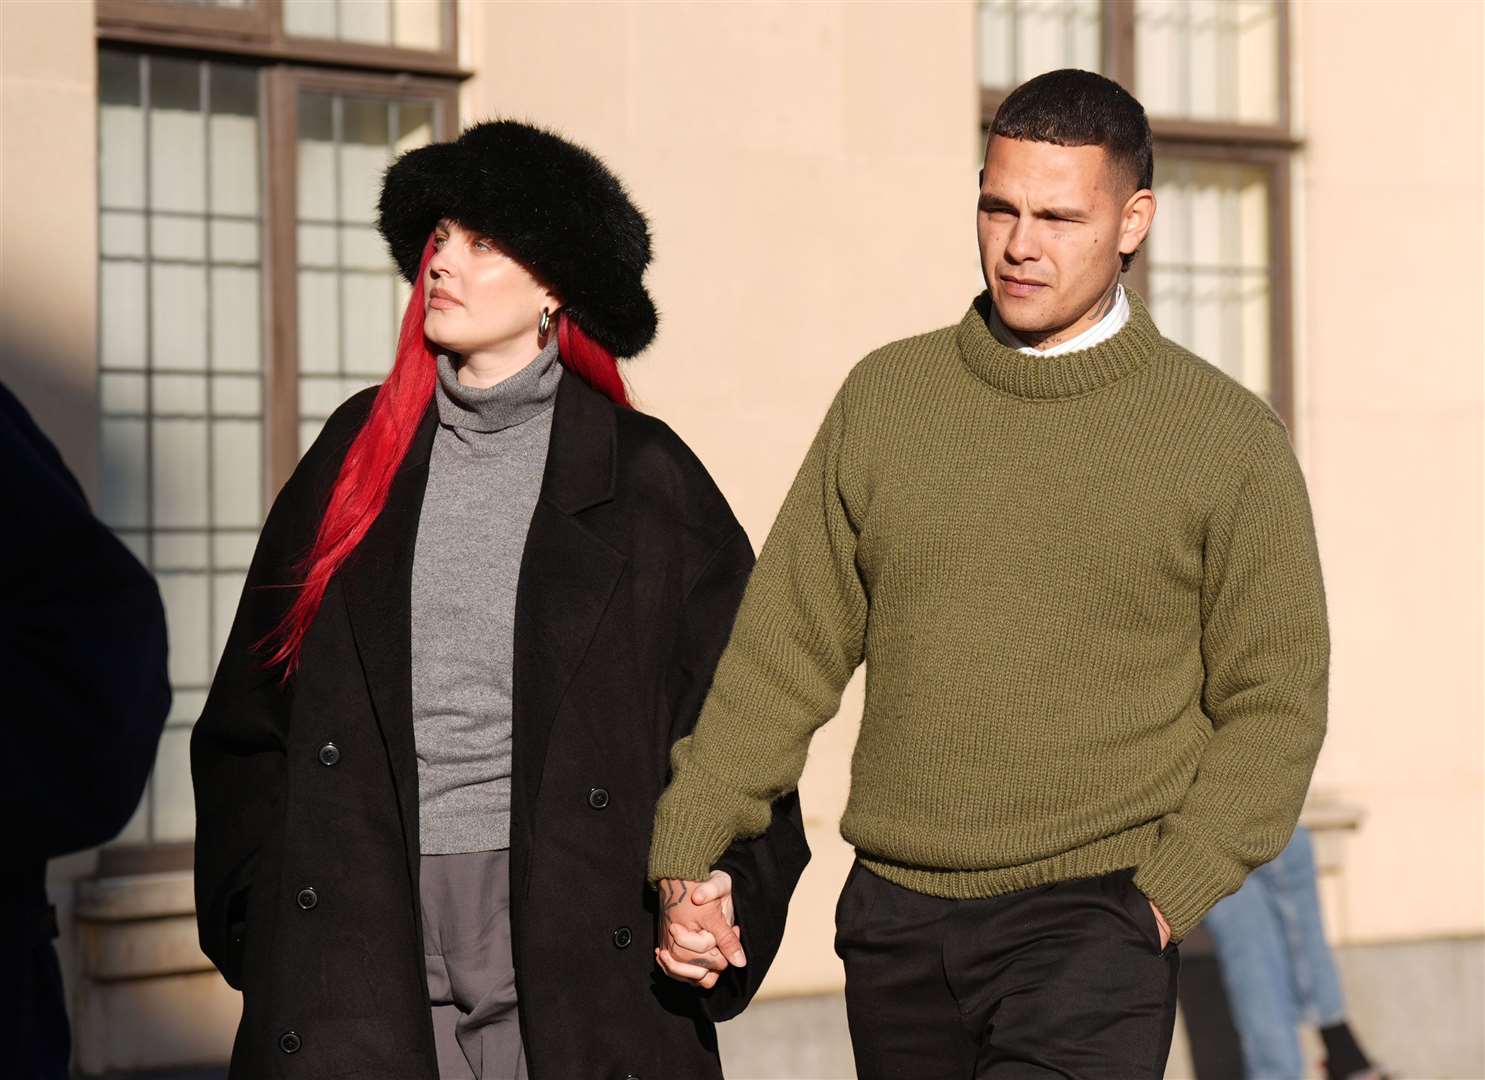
1276	965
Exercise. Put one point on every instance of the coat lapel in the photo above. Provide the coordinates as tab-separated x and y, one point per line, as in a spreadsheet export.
568	575
377	585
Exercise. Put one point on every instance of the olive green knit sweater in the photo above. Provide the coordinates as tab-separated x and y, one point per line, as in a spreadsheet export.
1087	594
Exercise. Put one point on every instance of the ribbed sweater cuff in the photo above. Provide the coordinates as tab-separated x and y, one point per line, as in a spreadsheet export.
686	844
1185	881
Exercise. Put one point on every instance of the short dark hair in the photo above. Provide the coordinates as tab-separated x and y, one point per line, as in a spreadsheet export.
1079	108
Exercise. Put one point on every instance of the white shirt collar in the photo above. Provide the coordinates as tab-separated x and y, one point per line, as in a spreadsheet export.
1100	331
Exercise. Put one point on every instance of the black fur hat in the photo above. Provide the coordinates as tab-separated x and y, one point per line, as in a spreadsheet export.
551	205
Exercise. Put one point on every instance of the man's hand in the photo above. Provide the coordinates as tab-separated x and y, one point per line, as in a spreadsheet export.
1164	926
697	937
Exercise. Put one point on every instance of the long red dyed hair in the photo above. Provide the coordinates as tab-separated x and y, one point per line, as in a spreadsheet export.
365	477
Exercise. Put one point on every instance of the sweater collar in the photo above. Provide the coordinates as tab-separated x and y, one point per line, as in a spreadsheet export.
514	400
1061	376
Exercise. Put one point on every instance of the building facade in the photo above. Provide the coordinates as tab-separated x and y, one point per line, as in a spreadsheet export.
200	175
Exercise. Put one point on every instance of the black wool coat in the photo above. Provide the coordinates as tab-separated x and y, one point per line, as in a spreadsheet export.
632	573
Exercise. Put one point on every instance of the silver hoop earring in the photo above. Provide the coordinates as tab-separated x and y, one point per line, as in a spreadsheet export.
546	321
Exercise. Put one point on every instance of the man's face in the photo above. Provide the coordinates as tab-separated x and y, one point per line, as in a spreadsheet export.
1053	223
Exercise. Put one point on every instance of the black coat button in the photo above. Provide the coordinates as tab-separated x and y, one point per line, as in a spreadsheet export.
329	754
307	899
623	938
598	798
290	1042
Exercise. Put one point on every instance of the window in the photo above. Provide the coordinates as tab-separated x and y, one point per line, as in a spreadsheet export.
350	297
180	361
1214	60
405	23
406	36
1209	284
243	292
1213	77
1020	39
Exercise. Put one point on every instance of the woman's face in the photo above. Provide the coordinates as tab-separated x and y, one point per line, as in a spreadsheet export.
478	299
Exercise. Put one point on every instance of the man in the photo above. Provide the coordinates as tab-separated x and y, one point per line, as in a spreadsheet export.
82	645
1080	566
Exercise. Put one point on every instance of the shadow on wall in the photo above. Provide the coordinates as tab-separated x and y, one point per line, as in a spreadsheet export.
60	390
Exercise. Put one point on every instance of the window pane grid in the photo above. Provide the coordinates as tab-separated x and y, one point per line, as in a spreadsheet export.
406	24
350	294
1211	273
180	365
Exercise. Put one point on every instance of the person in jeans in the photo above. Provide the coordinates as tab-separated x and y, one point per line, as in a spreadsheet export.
1079	565
1278	971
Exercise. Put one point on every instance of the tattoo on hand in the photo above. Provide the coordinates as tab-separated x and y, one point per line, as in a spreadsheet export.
672	892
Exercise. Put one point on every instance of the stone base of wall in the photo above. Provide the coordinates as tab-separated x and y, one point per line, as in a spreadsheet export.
145	997
1416	1007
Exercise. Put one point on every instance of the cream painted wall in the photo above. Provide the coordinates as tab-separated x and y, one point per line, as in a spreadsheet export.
49	221
1390	288
810	173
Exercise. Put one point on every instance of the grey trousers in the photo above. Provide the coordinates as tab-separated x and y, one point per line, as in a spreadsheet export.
471	974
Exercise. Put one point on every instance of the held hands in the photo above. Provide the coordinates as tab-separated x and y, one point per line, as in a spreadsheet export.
697	937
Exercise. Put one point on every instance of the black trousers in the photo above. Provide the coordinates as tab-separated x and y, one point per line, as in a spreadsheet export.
1064	980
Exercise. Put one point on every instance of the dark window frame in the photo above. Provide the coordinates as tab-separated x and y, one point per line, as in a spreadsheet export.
253	35
258	32
1270	147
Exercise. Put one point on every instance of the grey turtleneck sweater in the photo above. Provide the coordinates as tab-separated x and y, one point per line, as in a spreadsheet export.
484	475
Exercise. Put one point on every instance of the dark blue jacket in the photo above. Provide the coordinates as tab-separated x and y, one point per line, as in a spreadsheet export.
82	649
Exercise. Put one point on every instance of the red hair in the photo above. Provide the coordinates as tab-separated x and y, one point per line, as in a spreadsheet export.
584	357
366	474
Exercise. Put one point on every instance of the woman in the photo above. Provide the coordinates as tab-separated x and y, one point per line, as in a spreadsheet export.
481	611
